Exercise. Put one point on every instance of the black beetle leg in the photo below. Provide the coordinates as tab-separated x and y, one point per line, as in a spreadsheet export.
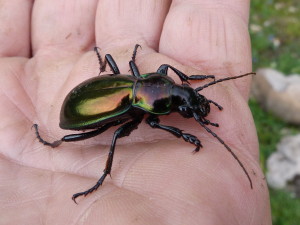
153	121
216	104
133	67
135	51
163	69
101	62
108	59
51	144
207	122
122	131
112	64
76	137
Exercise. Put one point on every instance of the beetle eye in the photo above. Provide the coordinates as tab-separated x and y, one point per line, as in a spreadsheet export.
183	108
185	111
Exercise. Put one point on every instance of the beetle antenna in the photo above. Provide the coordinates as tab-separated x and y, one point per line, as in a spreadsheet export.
197	118
221	80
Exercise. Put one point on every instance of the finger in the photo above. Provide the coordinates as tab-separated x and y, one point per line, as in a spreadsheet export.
130	22
65	25
15	27
209	36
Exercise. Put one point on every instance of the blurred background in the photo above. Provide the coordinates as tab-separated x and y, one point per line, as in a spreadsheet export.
275	34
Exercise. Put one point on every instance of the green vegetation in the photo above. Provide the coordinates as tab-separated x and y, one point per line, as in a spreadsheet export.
275	34
285	208
270	129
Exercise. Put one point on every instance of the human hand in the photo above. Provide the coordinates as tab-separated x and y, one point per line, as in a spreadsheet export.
155	177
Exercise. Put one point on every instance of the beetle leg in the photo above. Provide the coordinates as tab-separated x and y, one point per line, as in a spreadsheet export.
122	131
207	122
163	69
108	59
135	51
112	64
52	144
133	67
216	104
101	62
76	137
153	121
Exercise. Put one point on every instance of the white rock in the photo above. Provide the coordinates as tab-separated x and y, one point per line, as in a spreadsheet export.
278	93
284	164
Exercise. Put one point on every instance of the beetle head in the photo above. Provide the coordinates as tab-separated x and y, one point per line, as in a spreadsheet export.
202	107
189	102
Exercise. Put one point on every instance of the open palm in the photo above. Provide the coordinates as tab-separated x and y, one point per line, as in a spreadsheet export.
155	177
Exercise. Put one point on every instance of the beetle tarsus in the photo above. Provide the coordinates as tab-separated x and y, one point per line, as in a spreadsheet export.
94	188
193	140
135	51
101	62
153	121
201	77
51	144
122	131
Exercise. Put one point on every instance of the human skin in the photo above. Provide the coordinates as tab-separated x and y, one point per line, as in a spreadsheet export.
46	50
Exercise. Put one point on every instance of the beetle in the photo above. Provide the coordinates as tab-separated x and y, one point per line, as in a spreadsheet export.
123	100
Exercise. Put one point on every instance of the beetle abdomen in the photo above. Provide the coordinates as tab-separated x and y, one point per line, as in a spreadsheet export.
96	100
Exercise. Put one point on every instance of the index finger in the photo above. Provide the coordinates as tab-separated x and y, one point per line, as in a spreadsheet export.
210	36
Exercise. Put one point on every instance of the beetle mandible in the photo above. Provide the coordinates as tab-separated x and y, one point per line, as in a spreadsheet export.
116	99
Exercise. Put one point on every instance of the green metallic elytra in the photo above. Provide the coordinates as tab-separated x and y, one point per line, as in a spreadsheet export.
95	100
107	97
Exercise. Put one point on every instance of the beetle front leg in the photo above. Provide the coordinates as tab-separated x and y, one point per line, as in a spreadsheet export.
163	69
153	121
122	131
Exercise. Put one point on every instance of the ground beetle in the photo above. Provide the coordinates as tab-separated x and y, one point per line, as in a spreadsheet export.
115	99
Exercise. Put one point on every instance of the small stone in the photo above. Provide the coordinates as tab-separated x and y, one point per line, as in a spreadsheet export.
284	164
278	93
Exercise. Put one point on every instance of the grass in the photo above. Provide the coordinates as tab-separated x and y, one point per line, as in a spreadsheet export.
270	129
275	34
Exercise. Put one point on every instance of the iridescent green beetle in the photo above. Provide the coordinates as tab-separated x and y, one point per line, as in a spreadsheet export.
115	99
